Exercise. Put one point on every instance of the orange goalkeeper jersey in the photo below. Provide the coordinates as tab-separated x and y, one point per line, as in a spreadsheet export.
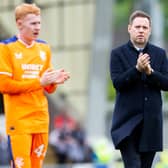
26	106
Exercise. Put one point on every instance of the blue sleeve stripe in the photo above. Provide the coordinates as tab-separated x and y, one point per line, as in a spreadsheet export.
10	40
14	39
41	41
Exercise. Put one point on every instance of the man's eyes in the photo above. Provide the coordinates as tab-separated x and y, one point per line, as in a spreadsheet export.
35	23
143	27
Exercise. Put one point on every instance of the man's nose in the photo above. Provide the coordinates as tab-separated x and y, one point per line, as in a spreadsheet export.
38	26
141	29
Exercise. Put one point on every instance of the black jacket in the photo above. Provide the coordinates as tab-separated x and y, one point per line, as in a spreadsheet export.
138	96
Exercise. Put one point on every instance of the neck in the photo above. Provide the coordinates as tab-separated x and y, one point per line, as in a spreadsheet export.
138	45
24	40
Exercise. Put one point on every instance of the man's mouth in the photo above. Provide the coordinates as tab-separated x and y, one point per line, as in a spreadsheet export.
140	36
35	33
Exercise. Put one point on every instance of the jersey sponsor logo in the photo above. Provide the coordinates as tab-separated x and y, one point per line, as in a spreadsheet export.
18	55
31	71
43	55
19	161
33	67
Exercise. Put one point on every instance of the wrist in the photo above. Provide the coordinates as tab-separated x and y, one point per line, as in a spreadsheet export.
138	68
150	71
41	82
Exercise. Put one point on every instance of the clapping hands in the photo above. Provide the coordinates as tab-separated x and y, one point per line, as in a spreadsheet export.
51	76
143	63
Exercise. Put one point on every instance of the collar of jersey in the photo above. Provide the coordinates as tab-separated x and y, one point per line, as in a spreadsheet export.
26	45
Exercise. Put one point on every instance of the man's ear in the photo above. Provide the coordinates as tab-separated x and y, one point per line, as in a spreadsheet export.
129	28
150	30
19	24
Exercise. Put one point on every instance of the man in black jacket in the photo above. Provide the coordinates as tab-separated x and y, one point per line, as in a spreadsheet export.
139	71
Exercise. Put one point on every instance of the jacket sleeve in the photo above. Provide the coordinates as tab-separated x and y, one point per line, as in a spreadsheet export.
159	78
122	75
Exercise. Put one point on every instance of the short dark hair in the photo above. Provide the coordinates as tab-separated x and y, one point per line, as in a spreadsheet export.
139	13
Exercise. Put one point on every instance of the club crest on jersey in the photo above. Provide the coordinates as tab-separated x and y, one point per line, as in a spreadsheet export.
43	55
18	55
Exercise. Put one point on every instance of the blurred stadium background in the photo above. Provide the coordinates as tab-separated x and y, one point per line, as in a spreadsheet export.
81	34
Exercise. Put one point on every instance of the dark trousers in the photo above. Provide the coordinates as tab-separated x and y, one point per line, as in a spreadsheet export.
132	158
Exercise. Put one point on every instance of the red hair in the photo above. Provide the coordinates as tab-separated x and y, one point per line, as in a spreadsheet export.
22	10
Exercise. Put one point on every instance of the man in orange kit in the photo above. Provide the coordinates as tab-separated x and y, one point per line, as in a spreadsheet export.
25	75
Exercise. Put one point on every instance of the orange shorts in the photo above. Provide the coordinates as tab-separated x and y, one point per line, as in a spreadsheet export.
28	150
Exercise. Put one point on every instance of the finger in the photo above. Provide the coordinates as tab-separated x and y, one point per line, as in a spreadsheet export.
140	55
49	70
60	70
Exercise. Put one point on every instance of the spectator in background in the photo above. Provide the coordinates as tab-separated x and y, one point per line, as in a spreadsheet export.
82	151
69	141
64	120
60	136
